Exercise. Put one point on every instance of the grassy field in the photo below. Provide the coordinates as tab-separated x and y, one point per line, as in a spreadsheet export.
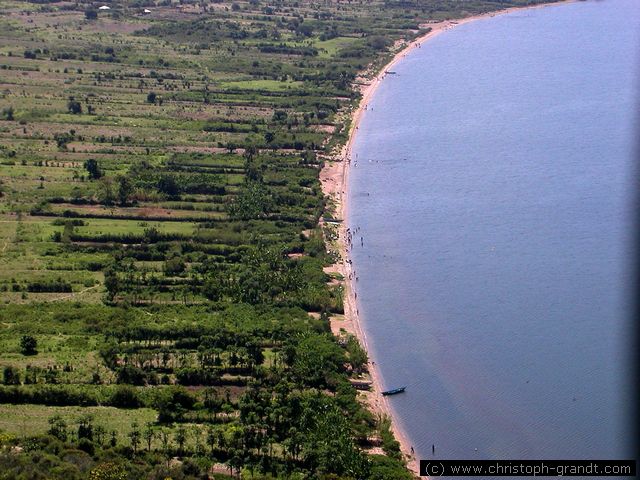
29	420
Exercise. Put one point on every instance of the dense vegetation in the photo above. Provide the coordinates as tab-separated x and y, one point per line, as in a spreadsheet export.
165	310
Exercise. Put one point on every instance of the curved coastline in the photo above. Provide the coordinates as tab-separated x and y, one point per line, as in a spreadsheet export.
334	179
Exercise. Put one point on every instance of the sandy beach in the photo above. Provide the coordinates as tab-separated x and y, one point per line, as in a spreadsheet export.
334	178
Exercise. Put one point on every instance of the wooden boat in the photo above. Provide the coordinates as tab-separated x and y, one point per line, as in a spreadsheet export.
394	391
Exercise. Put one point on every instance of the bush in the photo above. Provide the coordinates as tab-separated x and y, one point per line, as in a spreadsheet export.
390	445
125	396
172	403
383	468
11	376
74	107
194	376
174	266
55	395
28	345
135	376
50	286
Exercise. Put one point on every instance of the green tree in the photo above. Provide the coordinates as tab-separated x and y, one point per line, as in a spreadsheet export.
174	266
328	445
384	468
181	438
125	396
378	42
99	434
316	358
212	401
8	113
28	345
172	403
254	201
213	287
58	428
212	438
167	185
134	436
390	445
149	434
106	194
269	137
111	283
357	355
165	440
85	427
125	189
74	106
92	167
10	375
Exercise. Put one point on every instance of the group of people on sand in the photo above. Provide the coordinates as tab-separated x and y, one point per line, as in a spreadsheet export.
349	235
349	239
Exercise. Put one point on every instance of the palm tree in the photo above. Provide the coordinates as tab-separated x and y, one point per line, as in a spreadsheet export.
212	438
181	439
134	436
149	435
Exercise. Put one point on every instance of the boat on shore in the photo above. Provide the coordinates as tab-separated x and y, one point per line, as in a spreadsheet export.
394	391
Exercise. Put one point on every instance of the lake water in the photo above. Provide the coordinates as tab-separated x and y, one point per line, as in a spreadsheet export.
493	189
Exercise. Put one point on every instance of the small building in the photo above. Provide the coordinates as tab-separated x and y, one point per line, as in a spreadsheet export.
146	10
104	7
361	384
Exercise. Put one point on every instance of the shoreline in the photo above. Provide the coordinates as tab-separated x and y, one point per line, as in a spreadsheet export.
334	178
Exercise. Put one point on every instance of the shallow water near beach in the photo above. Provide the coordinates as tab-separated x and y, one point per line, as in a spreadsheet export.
493	191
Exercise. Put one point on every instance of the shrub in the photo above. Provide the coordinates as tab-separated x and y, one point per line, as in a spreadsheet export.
194	376
11	376
174	266
50	286
74	106
125	396
135	376
28	345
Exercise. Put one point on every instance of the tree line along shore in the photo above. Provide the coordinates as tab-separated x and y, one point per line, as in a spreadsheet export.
164	277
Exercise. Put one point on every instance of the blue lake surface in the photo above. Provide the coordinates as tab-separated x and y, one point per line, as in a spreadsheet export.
494	193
